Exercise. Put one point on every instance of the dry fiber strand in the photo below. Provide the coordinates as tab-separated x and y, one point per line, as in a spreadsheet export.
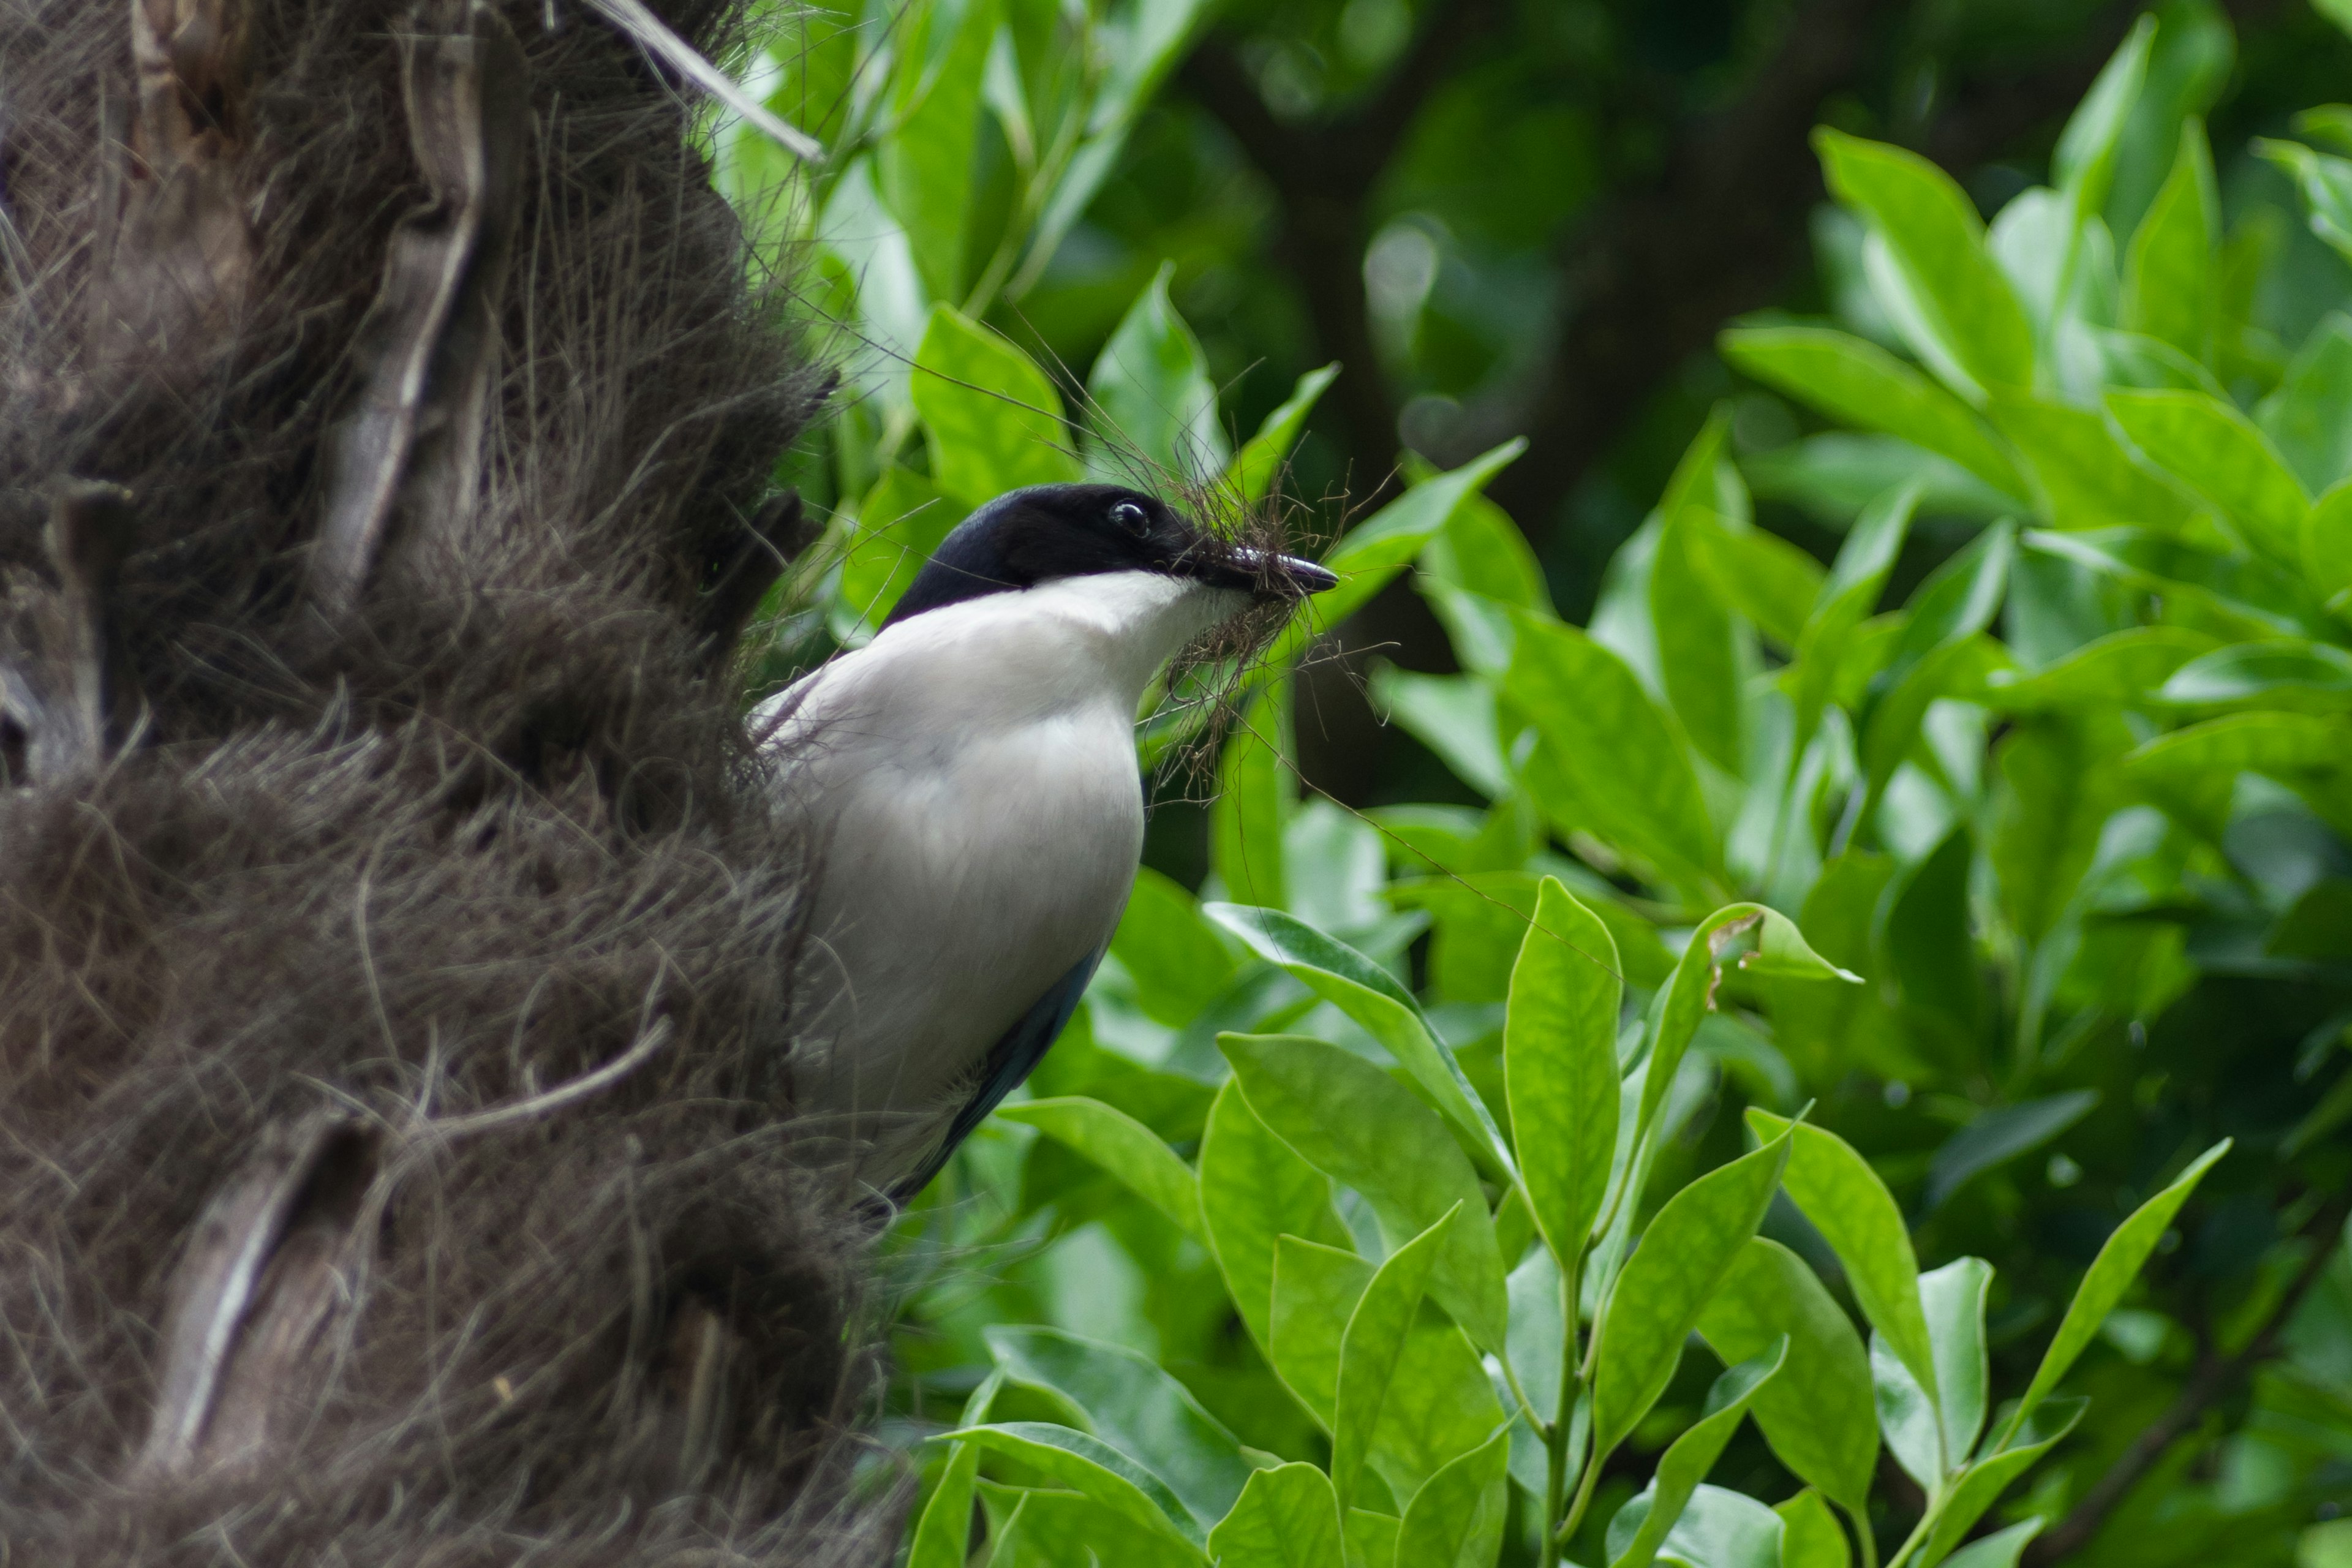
395	1161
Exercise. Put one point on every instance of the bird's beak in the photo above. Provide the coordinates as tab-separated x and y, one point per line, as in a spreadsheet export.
1282	577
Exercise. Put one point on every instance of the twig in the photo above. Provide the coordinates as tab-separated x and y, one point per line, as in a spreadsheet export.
2215	1376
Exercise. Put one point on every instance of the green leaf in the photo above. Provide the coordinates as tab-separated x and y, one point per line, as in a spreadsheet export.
1257	793
1933	230
993	418
1761	576
1685	1000
2110	1275
1371	1347
1131	1404
1155	408
1481	551
2086	475
2000	1549
1857	577
1587	703
1978	1486
2289	672
1857	1217
1316	1287
2327	186
1177	959
1372	1539
926	167
1122	1146
1261	458
1818	1414
2218	452
1702	659
1723	1529
943	1537
2309	417
1832	476
1811	1537
1655	1303
1999	1134
898	524
2297	748
2083	162
1288	1517
1691	1456
1369	556
1860	383
1092	1467
1350	1120
1454	716
1381	1004
1254	1189
1456	1518
1933	1437
2122	669
2326	543
1559	1057
2059	788
1069	1530
2168	278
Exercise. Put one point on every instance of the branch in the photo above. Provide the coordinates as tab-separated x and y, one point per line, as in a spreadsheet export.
2215	1377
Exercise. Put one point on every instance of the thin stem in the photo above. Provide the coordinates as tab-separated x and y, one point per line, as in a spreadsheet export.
1567	1531
1860	1519
1561	1432
1919	1532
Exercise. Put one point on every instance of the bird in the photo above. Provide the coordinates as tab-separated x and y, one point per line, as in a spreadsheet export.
969	786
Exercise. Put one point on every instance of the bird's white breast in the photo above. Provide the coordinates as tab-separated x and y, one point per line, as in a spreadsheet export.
970	783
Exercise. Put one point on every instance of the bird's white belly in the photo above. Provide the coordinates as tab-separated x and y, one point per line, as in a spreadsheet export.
952	890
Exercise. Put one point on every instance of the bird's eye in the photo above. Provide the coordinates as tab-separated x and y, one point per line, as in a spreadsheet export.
1131	517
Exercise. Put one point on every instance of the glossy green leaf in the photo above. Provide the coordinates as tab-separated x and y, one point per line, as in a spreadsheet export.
1369	556
2169	279
1559	1055
1683	1256
1586	702
1481	550
1932	227
1454	716
1862	383
1371	1538
1857	577
1353	1121
1724	1528
1254	1188
2288	747
1690	1457
926	168
1456	1518
1257	793
1178	961
1316	1289
1122	1146
1371	1347
1133	1405
2083	162
2326	543
1978	1486
1155	408
1260	461
1999	1134
2002	1549
1781	953
1933	1437
2122	669
2218	452
899	523
1060	1529
1818	1413
1092	1467
1761	576
2110	1275
1834	475
1858	1217
2327	186
1811	1534
2086	475
943	1536
1378	1002
2059	788
1702	657
2309	417
2286	673
1288	1517
993	418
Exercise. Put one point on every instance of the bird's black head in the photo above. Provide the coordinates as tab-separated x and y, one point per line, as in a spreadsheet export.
1029	536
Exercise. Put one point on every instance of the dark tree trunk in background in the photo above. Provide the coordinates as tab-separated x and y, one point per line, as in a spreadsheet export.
394	1164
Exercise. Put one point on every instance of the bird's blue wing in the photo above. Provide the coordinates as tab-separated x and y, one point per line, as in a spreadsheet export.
1008	1062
